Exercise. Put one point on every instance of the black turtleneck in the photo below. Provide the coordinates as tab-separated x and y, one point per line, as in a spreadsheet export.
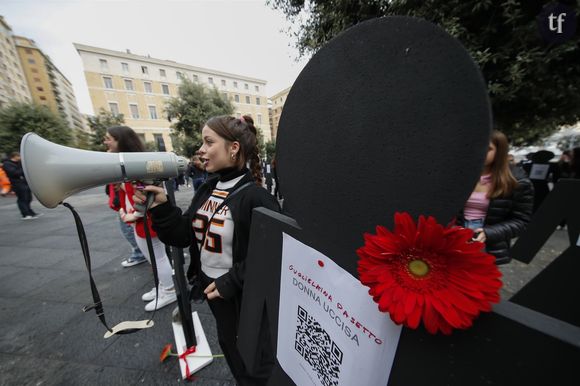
228	174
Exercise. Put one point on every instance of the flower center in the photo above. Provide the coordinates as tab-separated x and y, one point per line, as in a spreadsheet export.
418	268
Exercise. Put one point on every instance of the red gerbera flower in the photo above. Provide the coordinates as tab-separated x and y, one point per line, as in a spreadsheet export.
428	272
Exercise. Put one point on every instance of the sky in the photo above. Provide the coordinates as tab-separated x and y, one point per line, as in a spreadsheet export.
240	37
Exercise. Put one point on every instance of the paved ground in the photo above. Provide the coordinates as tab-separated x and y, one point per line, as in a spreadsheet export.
45	338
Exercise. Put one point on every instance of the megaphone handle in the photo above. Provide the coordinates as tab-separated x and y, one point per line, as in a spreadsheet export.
147	204
150	199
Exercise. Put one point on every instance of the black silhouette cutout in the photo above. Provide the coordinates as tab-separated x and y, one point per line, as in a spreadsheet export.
392	115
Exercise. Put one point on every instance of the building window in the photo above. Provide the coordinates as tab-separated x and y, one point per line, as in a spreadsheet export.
108	82
178	74
247	99
34	70
40	89
246	86
129	85
165	89
225	96
159	142
29	51
162	73
235	84
257	88
210	80
223	83
152	112
237	98
195	78
259	119
134	111
144	70
104	65
114	107
148	88
42	98
257	100
31	61
125	67
37	79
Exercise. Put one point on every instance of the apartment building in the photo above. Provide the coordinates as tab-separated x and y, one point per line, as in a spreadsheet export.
13	85
47	85
139	86
276	106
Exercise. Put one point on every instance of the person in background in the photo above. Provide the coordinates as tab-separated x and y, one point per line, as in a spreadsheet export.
5	187
563	170
123	139
501	204
564	165
198	172
187	176
13	169
134	218
575	163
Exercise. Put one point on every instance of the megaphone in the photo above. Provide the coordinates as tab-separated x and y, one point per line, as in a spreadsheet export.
55	172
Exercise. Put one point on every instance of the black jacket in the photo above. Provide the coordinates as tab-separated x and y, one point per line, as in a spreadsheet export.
14	172
507	217
174	228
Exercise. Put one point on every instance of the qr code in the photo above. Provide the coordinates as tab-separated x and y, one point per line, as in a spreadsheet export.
315	346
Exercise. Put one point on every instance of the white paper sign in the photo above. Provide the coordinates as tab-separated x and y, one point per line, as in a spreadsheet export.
330	332
267	169
539	171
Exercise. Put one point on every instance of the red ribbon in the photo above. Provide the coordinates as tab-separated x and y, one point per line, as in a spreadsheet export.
183	356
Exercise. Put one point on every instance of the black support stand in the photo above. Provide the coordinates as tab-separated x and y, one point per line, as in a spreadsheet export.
180	283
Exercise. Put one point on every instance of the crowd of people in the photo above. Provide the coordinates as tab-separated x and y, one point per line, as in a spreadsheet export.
229	180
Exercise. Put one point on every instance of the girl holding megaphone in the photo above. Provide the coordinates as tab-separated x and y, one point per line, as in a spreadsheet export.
216	227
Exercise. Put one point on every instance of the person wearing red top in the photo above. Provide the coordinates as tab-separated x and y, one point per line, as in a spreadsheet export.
133	217
124	139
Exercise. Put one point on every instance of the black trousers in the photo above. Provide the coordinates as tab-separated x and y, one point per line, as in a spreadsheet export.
24	198
227	314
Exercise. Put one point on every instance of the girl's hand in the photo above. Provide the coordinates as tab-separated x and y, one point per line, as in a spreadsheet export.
160	197
212	292
127	217
480	235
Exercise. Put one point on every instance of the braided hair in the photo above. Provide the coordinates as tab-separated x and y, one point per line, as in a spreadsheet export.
245	133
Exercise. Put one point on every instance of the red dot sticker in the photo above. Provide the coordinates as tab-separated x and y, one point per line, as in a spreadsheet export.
321	263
